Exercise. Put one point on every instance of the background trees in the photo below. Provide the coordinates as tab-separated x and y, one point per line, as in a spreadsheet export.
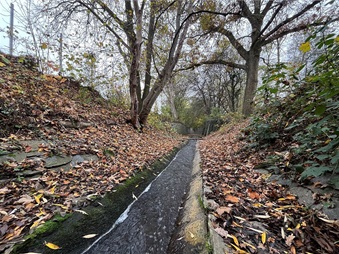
251	25
146	33
145	44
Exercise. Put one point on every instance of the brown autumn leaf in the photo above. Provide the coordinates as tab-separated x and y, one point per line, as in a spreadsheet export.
252	194
28	149
289	239
223	209
232	199
24	199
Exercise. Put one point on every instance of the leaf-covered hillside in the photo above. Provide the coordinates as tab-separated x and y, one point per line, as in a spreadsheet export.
47	118
274	179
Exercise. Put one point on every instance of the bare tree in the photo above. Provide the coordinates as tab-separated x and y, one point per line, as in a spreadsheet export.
129	26
250	25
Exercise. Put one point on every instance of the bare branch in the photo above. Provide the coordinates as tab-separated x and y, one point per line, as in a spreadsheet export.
288	20
210	62
297	29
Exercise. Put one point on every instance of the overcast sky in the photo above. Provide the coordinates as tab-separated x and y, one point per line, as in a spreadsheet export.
4	22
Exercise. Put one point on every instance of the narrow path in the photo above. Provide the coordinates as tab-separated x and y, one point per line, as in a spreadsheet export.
148	224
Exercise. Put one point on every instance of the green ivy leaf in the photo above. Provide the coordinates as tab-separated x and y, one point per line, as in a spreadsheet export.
314	171
320	110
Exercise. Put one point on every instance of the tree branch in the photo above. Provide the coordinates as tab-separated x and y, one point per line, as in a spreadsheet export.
297	29
209	62
105	23
286	21
241	50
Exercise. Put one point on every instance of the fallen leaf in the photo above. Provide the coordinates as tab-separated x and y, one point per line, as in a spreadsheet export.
240	251
25	199
223	209
334	222
253	194
288	197
235	239
232	199
38	197
89	236
36	223
261	216
81	211
52	246
4	190
263	237
293	250
28	149
289	239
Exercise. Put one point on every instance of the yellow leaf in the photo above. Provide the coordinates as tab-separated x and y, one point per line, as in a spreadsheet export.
2	64
89	236
263	237
42	212
38	197
240	251
52	246
62	206
234	239
37	223
52	190
305	47
336	39
250	245
44	45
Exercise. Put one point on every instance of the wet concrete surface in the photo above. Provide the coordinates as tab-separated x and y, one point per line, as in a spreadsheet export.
149	222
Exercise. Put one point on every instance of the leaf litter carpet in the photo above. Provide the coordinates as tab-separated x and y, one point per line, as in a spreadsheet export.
254	215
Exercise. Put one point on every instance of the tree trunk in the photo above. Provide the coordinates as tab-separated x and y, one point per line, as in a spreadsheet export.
148	103
171	99
173	56
149	52
133	88
252	65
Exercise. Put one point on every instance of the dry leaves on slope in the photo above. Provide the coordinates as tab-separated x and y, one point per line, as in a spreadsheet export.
263	217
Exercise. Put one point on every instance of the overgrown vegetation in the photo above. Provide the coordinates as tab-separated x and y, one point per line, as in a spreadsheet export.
298	116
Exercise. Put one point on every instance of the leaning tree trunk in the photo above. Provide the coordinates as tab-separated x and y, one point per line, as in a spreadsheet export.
154	93
133	86
252	67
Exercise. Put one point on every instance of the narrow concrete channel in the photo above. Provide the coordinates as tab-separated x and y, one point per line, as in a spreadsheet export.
148	224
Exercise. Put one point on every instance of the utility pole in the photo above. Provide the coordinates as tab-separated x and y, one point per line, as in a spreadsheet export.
11	30
60	54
